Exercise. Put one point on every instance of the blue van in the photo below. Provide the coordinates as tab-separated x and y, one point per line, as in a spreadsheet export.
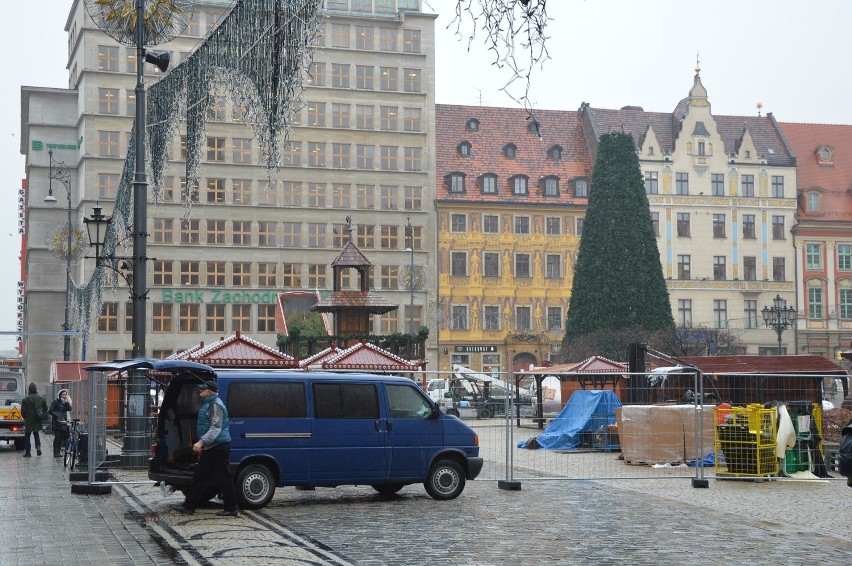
315	429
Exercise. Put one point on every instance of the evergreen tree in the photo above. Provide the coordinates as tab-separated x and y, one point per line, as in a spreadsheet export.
618	278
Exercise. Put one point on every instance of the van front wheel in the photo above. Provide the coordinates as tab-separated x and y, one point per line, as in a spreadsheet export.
255	486
445	481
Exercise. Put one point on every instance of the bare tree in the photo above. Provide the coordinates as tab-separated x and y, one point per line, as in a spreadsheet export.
514	33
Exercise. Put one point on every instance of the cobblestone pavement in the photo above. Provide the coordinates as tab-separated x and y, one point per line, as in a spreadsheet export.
649	521
43	523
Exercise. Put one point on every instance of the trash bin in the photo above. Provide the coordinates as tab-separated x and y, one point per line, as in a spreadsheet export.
83	449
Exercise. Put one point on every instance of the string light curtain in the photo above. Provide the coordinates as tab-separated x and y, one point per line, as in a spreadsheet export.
259	53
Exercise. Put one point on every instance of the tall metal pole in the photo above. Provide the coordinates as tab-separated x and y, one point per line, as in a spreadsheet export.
140	196
410	234
63	175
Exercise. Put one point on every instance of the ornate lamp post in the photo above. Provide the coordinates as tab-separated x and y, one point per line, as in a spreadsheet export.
779	317
59	171
409	237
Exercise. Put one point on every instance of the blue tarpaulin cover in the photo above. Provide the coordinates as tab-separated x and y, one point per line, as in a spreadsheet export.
585	410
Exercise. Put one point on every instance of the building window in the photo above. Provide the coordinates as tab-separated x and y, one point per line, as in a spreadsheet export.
389	237
748	185
388	78
388	118
552	226
241	318
510	150
522	225
750	311
107	58
750	268
684	312
720	268
522	265
316	114
651	183
412	198
846	304
458	223
813	257
777	186
554	319
364	155
458	264
815	303
550	186
215	273
683	266
555	153
188	314
412	80
216	232
411	41
581	188
683	224
291	275
340	155
291	193
387	39
388	158
655	223
490	224
163	230
267	274
291	234
316	195
266	233
162	317
316	154
488	183
844	257
413	158
365	196
108	100
523	320
411	121
748	226
107	143
491	264
340	35
464	149
216	108
519	185
316	75
341	195
682	183
778	231
579	228
163	272
241	235
214	318
241	150
717	184
491	318
215	149
459	317
292	154
778	269
339	115
190	231
389	277
363	117
266	318
813	202
190	273
718	225
720	313
553	266
215	191
108	321
364	37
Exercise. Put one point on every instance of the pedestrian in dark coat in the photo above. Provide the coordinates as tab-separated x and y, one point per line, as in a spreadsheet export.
30	407
59	420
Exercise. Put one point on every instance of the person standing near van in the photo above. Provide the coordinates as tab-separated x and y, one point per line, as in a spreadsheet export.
59	420
214	450
33	409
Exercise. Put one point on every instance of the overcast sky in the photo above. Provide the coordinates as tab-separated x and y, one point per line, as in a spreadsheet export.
792	56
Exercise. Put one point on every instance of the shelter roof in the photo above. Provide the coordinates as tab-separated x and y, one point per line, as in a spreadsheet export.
362	300
366	356
804	364
237	351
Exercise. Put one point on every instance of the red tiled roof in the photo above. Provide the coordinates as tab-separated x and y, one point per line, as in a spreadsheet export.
806	364
594	364
351	256
834	179
497	128
362	300
237	351
366	356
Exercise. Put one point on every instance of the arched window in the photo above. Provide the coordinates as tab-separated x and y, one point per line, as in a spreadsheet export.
455	183
464	149
472	125
510	150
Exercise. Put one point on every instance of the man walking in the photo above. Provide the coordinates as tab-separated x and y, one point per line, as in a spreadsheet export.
33	409
213	449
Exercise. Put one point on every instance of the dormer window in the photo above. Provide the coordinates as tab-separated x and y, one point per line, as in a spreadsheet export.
813	201
510	150
464	149
581	188
534	127
825	155
555	153
747	154
550	186
701	150
472	125
650	150
519	185
455	183
488	184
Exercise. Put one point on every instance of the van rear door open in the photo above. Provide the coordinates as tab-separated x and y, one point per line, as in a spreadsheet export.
350	435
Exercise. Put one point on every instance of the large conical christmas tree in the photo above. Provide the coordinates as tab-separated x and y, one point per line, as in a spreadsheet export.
618	279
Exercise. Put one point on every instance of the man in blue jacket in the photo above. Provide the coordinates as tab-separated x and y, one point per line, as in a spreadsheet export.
213	449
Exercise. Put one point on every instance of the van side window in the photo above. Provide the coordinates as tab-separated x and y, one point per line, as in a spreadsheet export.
407	403
346	401
188	401
267	400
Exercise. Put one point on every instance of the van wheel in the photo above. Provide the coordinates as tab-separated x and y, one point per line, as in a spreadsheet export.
484	413
388	488
255	486
453	412
445	481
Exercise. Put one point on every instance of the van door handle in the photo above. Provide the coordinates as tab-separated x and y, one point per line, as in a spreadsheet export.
378	425
390	425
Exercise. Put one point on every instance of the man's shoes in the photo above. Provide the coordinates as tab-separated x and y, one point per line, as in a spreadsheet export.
182	509
38	451
228	513
27	455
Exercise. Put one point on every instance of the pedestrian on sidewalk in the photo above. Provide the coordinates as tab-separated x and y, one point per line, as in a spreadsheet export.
214	451
34	410
59	409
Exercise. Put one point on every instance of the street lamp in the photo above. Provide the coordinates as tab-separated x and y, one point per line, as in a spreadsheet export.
96	228
409	236
59	171
779	317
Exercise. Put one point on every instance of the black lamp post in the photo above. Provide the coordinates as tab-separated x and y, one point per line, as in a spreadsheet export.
409	236
59	171
779	317
96	227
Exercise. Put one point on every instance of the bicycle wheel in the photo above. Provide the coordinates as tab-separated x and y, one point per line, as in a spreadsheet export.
72	458
70	453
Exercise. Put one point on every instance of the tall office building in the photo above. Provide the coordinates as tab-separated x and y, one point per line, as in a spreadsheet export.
361	146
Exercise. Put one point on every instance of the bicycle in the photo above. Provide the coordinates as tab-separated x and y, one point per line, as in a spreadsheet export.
72	448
